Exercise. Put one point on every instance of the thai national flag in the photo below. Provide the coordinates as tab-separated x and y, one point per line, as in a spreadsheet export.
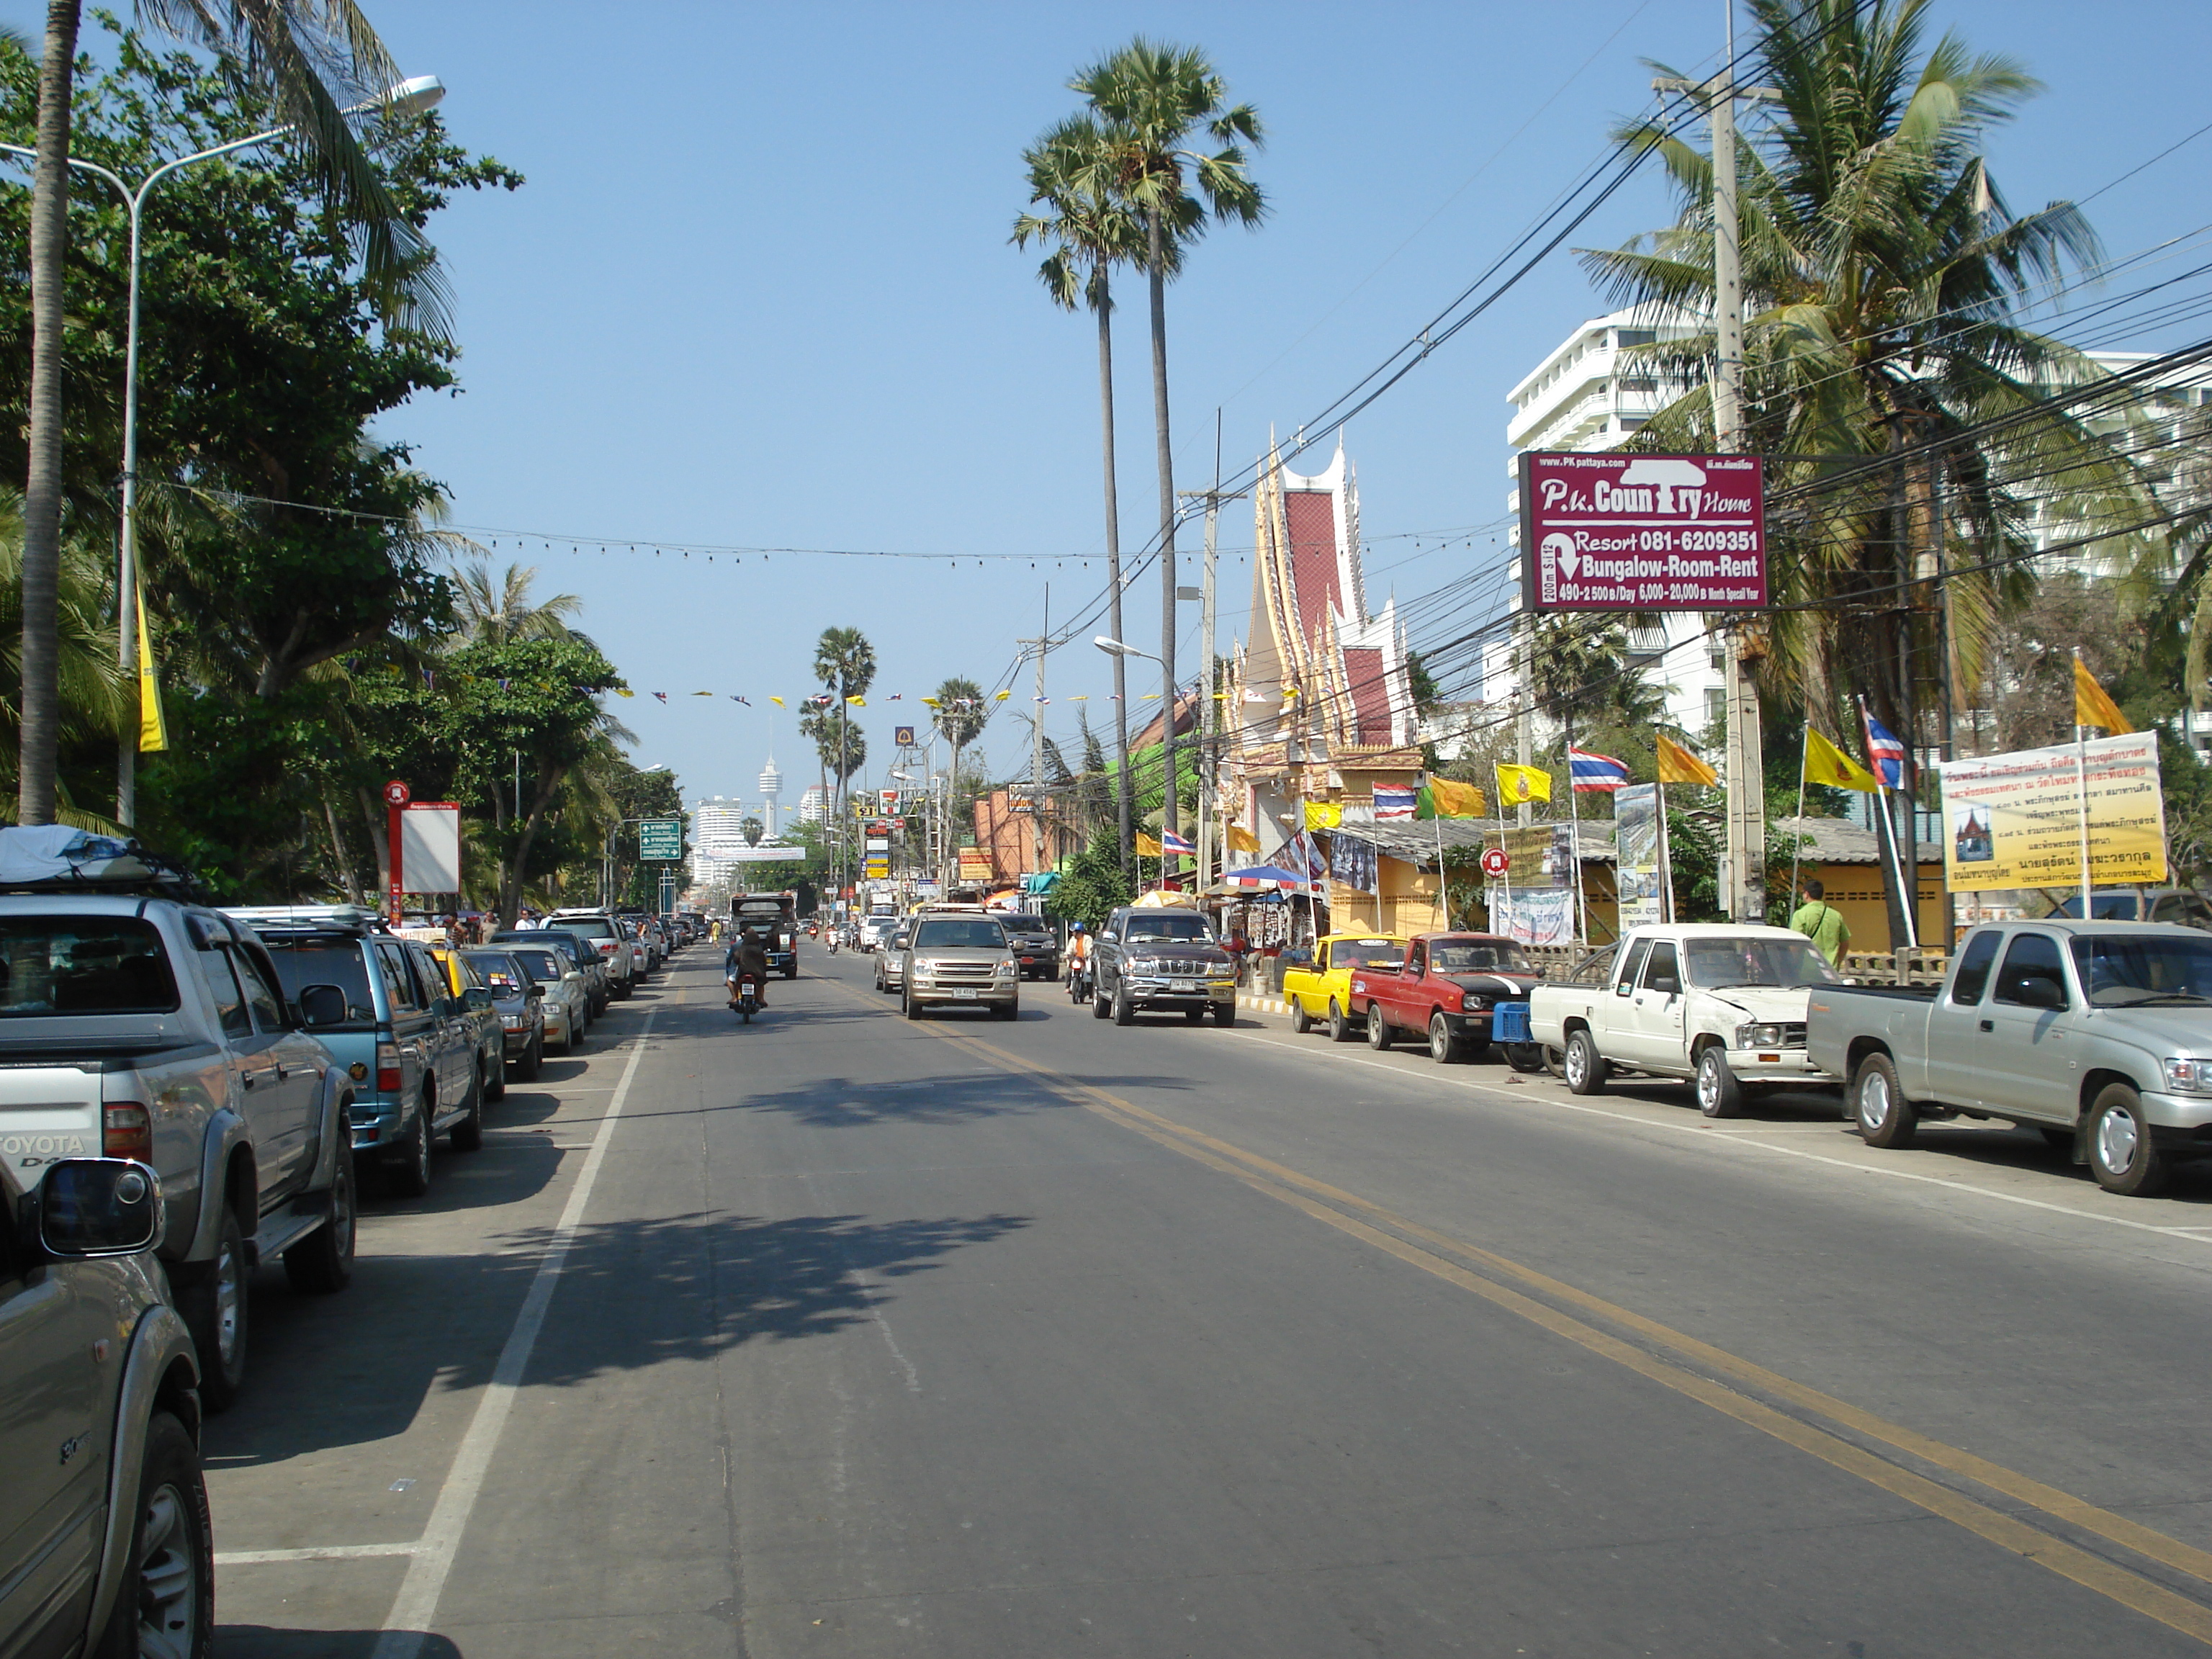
1591	770
1393	802
1170	842
1884	752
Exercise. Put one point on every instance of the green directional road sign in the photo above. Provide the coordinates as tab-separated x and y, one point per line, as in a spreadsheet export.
661	840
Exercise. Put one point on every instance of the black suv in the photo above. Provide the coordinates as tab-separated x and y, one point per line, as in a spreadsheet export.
1034	945
1163	961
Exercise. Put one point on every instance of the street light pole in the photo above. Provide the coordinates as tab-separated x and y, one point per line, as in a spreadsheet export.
407	97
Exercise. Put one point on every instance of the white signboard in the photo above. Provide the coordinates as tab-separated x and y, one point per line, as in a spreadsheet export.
431	847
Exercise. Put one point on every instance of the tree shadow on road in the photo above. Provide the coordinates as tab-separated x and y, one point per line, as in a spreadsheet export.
337	1371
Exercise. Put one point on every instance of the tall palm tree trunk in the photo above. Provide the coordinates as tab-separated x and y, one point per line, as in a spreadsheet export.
1124	802
42	486
1170	823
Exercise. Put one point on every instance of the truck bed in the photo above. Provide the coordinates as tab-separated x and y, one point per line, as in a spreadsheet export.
1901	993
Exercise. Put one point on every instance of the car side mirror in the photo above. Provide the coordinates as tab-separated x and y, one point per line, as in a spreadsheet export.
321	1006
2038	991
535	993
1667	984
95	1206
477	998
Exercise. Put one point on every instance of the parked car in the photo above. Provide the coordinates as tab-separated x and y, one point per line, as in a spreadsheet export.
578	950
1036	947
954	958
1161	961
565	1001
138	1024
2095	1033
1320	989
105	1543
648	933
1443	993
890	965
1720	1005
475	1000
604	935
520	1003
403	1038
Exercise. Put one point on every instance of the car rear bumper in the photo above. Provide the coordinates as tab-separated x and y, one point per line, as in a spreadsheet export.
1004	995
1179	992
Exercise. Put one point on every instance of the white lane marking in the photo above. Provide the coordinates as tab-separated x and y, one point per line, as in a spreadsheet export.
2189	1233
405	1628
327	1552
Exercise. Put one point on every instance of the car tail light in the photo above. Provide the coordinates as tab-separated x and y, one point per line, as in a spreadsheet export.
388	1068
126	1130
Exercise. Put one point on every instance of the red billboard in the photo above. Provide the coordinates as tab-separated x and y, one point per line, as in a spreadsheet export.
1609	532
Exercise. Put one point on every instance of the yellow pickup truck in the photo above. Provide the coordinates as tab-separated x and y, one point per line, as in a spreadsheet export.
1321	991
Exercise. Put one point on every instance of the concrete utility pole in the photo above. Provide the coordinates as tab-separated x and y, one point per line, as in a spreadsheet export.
1036	740
1743	770
1209	715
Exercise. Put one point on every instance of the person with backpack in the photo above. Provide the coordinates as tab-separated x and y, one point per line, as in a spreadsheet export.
1822	923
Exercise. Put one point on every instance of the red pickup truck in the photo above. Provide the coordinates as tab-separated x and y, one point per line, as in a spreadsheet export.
1445	990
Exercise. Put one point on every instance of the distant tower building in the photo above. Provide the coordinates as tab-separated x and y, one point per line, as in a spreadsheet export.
814	804
771	786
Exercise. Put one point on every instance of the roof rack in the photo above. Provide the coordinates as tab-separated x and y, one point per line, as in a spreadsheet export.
55	858
352	917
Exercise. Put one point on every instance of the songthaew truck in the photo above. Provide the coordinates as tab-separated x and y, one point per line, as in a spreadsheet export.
776	916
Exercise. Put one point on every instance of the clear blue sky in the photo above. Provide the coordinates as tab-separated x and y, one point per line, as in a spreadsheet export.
757	291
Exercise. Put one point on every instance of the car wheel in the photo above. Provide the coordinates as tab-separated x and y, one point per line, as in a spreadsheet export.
322	1263
1010	1010
1224	1014
1525	1056
1125	1010
1340	1025
1444	1047
1193	1016
1585	1068
1719	1094
910	1007
215	1310
495	1073
2122	1154
1379	1033
1884	1116
467	1135
166	1601
1301	1021
410	1177
1098	1008
533	1057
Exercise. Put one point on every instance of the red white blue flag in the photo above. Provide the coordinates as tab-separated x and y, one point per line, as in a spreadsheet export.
1592	770
1393	802
1884	752
1171	843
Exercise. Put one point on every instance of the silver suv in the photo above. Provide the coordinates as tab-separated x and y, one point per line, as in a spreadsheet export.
958	957
104	1543
605	935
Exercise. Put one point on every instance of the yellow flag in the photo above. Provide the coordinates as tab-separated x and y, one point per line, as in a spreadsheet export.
778	702
1242	840
1826	763
858	702
1322	815
1518	783
1147	847
624	691
1447	800
2092	706
1000	696
153	729
1678	765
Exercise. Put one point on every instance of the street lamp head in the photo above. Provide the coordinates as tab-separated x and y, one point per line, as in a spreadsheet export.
1114	647
411	97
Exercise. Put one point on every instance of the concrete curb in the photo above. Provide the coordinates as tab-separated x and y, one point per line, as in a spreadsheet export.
1251	1003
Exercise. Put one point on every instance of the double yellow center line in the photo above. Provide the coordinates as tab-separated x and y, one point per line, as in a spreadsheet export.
1832	1430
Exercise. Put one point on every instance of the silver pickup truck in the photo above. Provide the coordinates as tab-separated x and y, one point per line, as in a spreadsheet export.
148	1028
2097	1033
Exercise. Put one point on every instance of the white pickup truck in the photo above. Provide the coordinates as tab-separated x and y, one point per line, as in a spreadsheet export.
1719	1005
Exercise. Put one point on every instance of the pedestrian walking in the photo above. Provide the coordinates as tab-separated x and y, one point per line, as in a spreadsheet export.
1822	923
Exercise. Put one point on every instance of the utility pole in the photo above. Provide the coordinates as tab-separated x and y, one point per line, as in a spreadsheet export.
1743	772
1209	716
1042	643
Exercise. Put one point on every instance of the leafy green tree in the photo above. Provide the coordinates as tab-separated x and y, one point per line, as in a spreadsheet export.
1090	884
1153	101
313	57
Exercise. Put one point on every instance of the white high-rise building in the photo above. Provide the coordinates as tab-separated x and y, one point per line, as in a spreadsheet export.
771	786
1592	392
814	804
717	831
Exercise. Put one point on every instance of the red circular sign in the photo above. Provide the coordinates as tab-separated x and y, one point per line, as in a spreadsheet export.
397	793
1495	862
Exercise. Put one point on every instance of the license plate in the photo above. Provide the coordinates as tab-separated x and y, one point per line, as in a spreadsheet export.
963	995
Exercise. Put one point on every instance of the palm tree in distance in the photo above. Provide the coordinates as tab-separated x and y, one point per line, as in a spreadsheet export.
315	58
959	711
1152	100
493	611
1087	230
844	664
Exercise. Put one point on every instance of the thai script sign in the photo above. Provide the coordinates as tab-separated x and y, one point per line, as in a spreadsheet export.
1643	533
2015	820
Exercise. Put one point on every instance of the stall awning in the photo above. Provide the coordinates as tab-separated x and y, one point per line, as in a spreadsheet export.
1041	881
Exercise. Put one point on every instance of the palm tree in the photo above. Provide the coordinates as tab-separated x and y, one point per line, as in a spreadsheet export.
314	56
1882	271
492	612
1152	99
959	710
1088	230
844	664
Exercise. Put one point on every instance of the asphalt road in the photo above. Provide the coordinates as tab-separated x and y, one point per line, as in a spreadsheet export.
836	1334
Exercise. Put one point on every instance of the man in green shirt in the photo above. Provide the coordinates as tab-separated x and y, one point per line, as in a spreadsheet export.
1823	924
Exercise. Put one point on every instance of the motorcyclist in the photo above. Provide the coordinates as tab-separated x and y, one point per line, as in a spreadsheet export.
748	954
1079	953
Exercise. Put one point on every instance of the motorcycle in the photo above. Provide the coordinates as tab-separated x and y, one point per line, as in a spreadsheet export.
1079	983
833	941
744	996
